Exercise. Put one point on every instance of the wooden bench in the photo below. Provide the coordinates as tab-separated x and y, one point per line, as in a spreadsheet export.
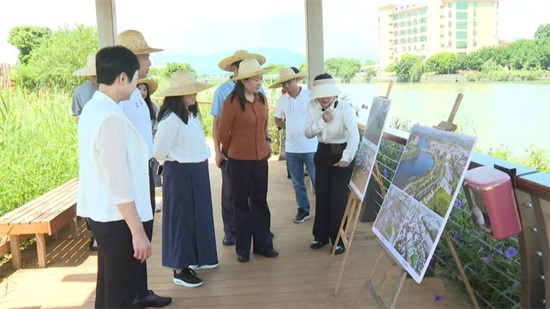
43	216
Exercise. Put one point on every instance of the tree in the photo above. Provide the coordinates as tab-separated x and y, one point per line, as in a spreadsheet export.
543	32
343	68
176	66
53	62
403	67
27	38
303	67
442	63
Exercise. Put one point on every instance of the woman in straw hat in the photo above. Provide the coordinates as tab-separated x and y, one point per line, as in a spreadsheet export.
333	122
188	240
243	131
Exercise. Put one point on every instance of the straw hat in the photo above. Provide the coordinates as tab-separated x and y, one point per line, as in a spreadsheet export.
323	88
183	83
286	74
250	67
239	55
89	69
134	41
152	84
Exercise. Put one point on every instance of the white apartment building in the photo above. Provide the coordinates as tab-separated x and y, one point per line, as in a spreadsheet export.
434	26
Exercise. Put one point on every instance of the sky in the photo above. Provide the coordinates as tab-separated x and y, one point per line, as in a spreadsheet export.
203	27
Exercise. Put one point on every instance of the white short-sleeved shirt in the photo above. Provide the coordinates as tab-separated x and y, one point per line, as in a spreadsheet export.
113	163
137	111
294	110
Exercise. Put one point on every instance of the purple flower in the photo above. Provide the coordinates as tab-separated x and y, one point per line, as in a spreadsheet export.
457	236
510	252
487	259
385	172
499	251
459	203
437	297
400	147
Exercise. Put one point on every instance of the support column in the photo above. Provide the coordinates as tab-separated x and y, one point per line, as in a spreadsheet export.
314	38
106	22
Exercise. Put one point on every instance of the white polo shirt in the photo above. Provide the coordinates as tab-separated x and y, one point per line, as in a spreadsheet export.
137	111
294	110
113	163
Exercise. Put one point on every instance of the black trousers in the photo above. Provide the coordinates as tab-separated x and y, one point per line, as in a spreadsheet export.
142	288
116	270
252	215
331	193
228	209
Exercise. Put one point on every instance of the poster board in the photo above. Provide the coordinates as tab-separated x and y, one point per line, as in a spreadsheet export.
420	198
368	148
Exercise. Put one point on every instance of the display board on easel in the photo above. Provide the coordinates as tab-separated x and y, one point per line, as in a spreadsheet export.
368	149
420	198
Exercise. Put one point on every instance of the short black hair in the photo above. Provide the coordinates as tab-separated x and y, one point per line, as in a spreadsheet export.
111	61
295	70
323	76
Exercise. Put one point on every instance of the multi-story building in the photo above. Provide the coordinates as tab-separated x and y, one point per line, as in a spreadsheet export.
457	26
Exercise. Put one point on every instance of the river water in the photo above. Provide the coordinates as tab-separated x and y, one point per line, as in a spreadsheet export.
516	115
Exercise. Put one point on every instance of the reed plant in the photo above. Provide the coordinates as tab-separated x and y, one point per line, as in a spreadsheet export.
38	145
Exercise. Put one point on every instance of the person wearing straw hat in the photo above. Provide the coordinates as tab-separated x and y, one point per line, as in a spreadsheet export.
229	64
112	188
333	122
86	90
292	107
136	110
148	86
243	131
188	238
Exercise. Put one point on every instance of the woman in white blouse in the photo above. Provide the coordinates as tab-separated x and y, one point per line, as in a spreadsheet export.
334	124
188	239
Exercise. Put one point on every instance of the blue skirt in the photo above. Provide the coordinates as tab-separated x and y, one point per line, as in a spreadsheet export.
187	220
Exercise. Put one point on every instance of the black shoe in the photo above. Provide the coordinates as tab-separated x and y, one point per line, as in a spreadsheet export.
152	300
269	254
228	240
318	244
339	250
187	278
243	258
301	216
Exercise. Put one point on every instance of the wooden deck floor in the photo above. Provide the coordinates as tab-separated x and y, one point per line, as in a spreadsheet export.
298	278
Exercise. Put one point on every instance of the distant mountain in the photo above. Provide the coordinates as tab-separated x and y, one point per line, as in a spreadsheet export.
208	64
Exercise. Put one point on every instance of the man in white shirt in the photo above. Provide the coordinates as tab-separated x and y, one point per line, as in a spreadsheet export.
292	107
113	180
137	111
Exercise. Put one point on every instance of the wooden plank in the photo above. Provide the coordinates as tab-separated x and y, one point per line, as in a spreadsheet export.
41	249
15	251
22	213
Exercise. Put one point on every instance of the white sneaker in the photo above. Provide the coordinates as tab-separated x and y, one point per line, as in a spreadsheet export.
197	267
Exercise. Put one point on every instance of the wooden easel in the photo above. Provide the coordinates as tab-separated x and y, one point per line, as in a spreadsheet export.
346	232
445	126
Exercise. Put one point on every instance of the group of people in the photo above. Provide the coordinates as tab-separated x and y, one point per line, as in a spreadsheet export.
126	143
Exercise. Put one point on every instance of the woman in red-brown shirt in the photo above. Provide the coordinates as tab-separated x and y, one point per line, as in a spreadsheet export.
244	133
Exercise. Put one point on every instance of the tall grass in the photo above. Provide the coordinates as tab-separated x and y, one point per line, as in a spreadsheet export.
38	145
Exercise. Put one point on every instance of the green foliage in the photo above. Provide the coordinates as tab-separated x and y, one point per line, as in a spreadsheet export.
417	70
342	68
176	66
26	39
38	145
543	32
403	67
53	62
303	67
442	63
